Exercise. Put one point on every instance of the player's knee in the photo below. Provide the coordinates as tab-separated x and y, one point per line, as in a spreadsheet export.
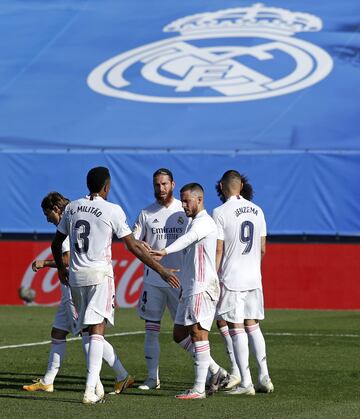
58	333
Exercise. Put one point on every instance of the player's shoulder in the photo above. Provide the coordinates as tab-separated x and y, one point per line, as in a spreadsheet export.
204	218
150	209
220	208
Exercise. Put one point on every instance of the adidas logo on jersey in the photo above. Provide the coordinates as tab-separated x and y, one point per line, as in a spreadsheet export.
155	221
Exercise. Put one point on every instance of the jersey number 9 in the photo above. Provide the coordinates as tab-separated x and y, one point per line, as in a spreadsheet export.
247	235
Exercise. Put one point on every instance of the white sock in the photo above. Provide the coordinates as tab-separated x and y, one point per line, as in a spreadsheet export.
85	340
152	349
202	361
241	351
113	361
188	345
96	350
57	353
224	331
258	348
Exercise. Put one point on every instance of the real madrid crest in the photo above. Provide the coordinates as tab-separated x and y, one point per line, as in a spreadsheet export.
231	55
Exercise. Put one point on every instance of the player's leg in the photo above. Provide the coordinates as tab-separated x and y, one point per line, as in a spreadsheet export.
234	378
56	356
254	311
151	308
59	331
231	308
96	311
201	309
182	336
94	364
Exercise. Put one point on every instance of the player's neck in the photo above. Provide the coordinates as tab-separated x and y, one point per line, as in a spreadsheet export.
167	202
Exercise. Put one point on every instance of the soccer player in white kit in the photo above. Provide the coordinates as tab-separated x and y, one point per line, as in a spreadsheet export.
240	248
90	223
53	206
199	285
159	225
234	377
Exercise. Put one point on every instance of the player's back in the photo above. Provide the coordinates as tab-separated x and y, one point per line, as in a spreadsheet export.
241	224
91	224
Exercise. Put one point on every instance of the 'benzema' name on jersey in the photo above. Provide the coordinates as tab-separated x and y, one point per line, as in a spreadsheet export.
245	210
232	55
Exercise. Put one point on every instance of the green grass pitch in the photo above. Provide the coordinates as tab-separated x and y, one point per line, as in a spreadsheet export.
313	360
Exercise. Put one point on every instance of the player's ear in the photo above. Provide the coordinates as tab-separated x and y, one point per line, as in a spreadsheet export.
56	209
107	186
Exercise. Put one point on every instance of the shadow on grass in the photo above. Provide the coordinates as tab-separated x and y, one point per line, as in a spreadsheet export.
33	397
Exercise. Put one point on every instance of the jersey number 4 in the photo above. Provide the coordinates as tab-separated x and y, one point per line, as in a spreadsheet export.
247	235
82	228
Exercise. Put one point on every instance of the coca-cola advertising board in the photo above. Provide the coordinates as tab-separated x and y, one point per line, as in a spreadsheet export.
16	272
307	276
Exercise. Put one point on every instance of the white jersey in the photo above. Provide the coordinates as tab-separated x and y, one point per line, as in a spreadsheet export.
240	224
90	225
198	273
159	226
65	290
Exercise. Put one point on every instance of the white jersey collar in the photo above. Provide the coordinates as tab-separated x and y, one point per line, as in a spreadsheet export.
234	198
95	198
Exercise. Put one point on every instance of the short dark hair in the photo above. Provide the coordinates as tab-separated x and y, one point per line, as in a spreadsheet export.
231	176
96	178
192	187
52	199
247	191
163	171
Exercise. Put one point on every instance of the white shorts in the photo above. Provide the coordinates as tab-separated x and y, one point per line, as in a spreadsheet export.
236	306
153	300
95	303
66	315
198	308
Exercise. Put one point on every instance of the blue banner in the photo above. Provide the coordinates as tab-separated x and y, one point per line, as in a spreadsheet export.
270	89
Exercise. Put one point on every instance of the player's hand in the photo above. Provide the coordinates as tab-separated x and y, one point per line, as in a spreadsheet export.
145	245
169	276
158	254
64	276
37	264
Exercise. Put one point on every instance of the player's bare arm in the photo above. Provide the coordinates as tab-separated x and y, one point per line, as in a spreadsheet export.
136	247
58	257
219	253
158	254
263	247
49	263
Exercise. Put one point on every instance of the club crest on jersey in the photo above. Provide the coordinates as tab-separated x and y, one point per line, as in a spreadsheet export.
180	220
231	55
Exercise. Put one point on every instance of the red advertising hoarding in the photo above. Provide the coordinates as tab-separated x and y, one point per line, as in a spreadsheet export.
310	276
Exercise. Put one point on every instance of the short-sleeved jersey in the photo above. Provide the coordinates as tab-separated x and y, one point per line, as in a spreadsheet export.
240	224
198	272
65	290
90	225
159	226
65	247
